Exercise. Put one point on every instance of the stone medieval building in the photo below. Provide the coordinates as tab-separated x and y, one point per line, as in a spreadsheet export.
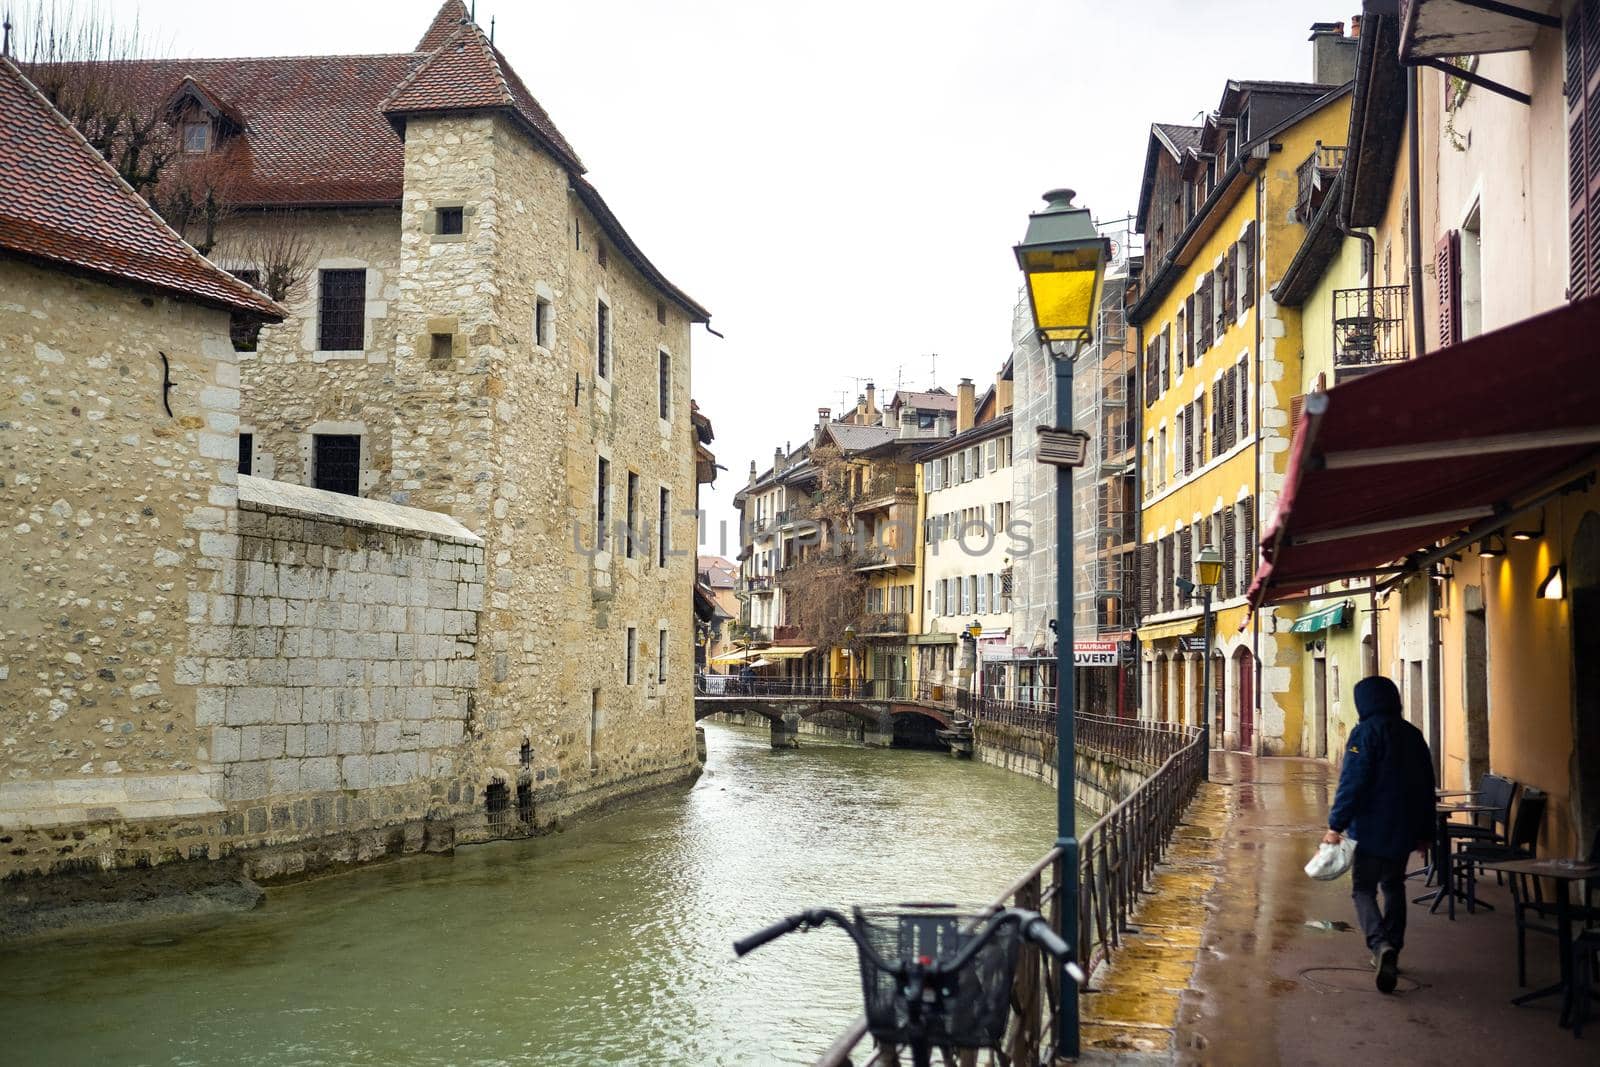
480	390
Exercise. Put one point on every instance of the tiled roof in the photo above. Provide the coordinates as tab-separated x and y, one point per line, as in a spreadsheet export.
1181	138
466	73
313	134
933	401
445	24
61	202
852	438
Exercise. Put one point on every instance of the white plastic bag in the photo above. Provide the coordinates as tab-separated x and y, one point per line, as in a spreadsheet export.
1331	861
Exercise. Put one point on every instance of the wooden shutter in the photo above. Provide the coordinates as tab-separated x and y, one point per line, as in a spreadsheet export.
1147	580
1188	329
1296	403
1252	539
1218	280
1447	279
1230	555
1166	573
1228	392
1188	439
1218	407
1243	372
1247	250
1230	282
1166	347
1203	308
1186	552
1150	392
1583	148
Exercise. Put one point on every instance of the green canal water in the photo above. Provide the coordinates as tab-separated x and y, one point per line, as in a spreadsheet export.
607	944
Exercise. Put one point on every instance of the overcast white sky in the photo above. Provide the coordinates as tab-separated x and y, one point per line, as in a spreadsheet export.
839	181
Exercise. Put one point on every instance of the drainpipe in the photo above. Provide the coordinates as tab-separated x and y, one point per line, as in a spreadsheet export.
1419	341
1138	511
1255	548
1414	196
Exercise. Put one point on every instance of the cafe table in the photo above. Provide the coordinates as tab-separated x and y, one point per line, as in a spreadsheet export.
1447	890
1563	872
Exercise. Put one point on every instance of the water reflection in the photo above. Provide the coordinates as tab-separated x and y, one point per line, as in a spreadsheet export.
604	945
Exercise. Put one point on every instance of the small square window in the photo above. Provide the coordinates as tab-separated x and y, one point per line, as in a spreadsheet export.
661	312
449	220
247	448
442	346
600	253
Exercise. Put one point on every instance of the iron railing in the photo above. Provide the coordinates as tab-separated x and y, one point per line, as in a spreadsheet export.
1117	856
1315	176
1367	332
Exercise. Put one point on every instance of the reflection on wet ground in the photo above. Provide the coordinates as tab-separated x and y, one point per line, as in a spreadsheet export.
1283	976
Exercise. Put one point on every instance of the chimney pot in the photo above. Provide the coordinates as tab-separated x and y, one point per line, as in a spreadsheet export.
1355	25
966	405
872	394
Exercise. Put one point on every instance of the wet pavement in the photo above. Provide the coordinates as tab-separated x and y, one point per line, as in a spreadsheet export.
1268	988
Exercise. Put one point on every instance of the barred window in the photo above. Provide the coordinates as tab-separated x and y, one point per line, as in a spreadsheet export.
336	463
342	310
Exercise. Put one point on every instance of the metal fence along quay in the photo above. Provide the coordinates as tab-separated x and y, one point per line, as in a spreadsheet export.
1117	857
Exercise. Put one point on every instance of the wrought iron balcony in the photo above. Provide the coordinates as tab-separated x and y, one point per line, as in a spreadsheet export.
882	624
758	583
1366	337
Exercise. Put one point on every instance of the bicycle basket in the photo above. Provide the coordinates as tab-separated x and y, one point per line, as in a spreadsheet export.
968	1009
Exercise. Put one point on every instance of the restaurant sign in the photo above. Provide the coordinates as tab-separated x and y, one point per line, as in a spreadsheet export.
1094	653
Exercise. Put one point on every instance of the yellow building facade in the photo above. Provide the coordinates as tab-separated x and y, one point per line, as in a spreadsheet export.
1222	365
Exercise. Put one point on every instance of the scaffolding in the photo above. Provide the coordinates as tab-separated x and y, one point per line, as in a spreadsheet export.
1105	512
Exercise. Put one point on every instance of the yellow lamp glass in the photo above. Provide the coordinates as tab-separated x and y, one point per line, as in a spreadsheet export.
1208	567
1064	288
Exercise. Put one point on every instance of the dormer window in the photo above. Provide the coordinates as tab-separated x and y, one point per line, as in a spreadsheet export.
196	138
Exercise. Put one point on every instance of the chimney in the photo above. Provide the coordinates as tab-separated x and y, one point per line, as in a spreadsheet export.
1333	55
1355	27
777	460
872	392
966	405
861	409
822	424
890	418
942	424
752	472
1002	394
824	414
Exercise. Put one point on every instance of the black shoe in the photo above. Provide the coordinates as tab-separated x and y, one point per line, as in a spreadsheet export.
1388	968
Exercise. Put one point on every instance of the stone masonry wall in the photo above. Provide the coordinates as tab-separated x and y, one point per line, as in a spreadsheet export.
115	517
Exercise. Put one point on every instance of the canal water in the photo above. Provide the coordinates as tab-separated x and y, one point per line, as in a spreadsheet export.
606	944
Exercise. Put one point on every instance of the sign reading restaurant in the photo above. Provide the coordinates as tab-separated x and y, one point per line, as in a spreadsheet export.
1094	653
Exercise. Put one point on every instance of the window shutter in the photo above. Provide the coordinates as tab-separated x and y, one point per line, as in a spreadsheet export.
1296	404
1219	279
1147	580
1447	278
1167	354
1247	252
1252	540
1186	552
1166	573
1227	410
1230	282
1583	148
1230	554
1243	372
1218	407
1203	312
1188	330
1188	439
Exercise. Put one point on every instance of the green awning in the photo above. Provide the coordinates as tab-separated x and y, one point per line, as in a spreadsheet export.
1320	620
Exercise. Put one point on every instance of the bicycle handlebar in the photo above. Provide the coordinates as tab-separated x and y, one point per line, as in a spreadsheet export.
1033	926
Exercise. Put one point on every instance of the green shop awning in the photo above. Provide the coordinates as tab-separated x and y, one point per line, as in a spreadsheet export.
1320	620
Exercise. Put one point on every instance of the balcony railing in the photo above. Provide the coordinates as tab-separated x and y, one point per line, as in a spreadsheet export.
1316	176
882	623
758	583
1369	334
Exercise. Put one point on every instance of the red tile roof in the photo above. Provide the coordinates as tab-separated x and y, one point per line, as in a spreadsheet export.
469	73
313	134
62	203
445	24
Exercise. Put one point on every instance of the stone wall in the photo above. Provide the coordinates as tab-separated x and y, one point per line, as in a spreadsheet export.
118	413
1101	781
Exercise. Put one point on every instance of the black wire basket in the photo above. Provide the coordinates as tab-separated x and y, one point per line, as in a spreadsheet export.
968	1009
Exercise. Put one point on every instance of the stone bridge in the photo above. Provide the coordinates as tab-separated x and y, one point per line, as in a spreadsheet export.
786	711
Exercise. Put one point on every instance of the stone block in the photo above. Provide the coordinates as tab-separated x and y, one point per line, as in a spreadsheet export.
319	775
249	705
284	777
272	741
355	772
349	738
319	740
225	744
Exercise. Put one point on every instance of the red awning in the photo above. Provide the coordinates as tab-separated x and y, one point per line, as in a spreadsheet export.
1450	443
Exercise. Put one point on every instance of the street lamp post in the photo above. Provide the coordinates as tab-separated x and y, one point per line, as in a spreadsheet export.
1063	258
1208	571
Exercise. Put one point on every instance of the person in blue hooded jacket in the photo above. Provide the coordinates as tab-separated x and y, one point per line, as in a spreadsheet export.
1385	802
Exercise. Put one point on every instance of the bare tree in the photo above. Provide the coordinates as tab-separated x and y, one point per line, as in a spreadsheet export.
271	252
77	54
824	593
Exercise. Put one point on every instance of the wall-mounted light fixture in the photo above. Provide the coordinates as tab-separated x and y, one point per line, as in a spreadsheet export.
1492	546
1530	535
1554	586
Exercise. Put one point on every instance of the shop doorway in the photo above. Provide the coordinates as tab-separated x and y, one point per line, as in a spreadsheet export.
1244	666
1584	576
1319	707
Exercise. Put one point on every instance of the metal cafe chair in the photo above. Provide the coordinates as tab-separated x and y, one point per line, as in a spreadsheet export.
1537	915
1522	844
1497	791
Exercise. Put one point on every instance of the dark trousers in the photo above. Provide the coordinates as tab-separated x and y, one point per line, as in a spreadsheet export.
1367	874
